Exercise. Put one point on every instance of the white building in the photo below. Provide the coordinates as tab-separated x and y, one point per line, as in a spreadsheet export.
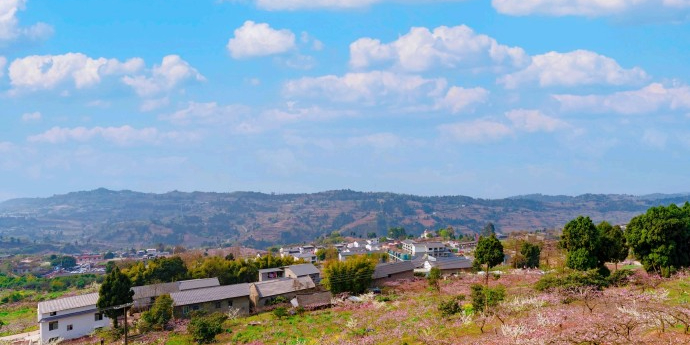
69	317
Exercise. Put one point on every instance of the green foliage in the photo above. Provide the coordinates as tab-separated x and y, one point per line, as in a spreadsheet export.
204	329
572	279
489	253
108	255
581	239
488	230
612	242
353	275
530	255
619	277
63	261
280	312
660	238
434	278
327	254
447	233
484	297
159	315
115	290
159	270
451	306
397	233
29	282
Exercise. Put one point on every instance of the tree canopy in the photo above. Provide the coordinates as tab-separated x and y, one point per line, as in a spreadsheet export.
353	275
581	240
613	244
660	238
397	232
489	253
116	290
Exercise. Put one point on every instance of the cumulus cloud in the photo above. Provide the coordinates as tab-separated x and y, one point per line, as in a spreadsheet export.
649	99
9	24
32	117
477	131
124	135
458	99
534	121
580	67
591	8
172	72
259	39
447	47
43	72
371	88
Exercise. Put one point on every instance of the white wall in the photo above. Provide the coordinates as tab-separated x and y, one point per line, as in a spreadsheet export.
82	325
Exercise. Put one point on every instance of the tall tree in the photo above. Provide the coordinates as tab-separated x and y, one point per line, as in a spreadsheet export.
581	240
660	238
397	232
530	255
489	253
116	290
353	275
488	230
612	242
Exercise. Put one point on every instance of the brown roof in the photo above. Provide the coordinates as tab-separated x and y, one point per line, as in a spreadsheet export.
283	286
313	300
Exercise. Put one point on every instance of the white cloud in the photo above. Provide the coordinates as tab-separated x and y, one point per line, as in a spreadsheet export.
649	99
534	121
124	135
448	47
589	8
207	113
259	39
172	71
478	131
371	88
580	67
9	24
458	98
32	117
281	161
3	62
43	72
153	104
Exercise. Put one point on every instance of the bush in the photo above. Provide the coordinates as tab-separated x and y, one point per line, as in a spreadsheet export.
159	315
484	297
280	312
620	277
204	329
572	279
451	306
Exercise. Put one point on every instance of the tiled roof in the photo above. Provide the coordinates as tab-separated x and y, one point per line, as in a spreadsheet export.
198	283
209	294
316	299
283	286
154	290
383	270
303	269
67	303
267	270
449	263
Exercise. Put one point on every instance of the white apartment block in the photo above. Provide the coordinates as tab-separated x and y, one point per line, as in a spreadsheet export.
69	318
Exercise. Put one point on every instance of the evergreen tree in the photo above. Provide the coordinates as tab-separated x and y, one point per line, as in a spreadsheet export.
116	290
489	253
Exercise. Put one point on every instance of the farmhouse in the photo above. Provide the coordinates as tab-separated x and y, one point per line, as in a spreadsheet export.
393	271
263	293
69	317
212	299
303	270
448	265
144	296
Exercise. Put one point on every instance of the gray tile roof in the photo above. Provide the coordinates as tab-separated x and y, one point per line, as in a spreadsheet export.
209	294
449	263
154	290
198	283
313	300
267	270
283	286
303	269
67	303
383	270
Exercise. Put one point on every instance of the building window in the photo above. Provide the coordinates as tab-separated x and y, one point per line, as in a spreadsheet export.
98	316
195	307
218	305
52	325
229	303
69	327
53	313
185	310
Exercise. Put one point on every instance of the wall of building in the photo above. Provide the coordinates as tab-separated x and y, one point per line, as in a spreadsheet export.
401	275
82	325
210	307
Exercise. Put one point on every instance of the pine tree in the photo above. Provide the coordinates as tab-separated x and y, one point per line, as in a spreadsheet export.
116	290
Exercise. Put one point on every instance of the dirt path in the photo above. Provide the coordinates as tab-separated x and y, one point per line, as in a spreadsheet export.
33	336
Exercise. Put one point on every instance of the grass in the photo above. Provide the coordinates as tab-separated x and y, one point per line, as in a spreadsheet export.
179	339
18	318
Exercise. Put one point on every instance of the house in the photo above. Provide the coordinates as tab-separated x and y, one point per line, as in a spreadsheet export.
312	301
448	265
263	293
303	270
144	296
212	299
392	271
69	317
270	274
306	256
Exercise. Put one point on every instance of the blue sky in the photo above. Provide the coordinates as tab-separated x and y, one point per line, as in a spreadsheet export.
481	98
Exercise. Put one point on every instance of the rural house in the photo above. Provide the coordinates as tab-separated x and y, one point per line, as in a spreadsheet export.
263	293
144	296
212	299
392	271
69	317
303	270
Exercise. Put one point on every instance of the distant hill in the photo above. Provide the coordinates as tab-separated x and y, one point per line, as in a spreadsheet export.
124	219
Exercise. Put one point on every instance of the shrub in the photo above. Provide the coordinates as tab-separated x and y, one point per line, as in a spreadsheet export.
572	279
620	277
280	312
159	315
204	329
484	297
451	306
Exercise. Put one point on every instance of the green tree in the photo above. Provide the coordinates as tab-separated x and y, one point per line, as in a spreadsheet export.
205	328
397	233
160	313
353	275
612	241
108	255
327	254
488	230
489	253
116	290
63	261
530	255
280	312
660	238
166	270
435	278
484	297
581	240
